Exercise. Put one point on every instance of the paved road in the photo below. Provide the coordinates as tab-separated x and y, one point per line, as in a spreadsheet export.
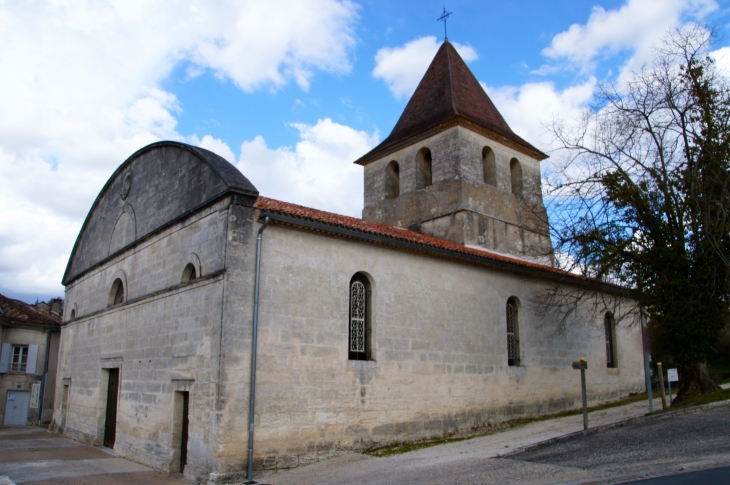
701	439
641	448
33	456
649	445
715	476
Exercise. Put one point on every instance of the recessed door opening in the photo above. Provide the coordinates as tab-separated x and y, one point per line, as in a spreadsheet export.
112	394
180	431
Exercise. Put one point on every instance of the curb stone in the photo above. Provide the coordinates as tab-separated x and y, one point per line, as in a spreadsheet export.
619	424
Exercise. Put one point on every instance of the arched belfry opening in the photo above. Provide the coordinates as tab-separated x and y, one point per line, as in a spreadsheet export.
392	180
489	166
423	168
463	172
515	170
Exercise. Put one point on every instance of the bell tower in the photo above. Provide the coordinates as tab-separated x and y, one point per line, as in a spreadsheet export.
452	168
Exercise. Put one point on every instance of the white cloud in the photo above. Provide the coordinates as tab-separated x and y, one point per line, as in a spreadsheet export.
317	172
529	109
403	67
81	84
215	145
722	59
636	26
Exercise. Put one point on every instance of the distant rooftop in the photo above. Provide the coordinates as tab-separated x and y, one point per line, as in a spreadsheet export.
21	313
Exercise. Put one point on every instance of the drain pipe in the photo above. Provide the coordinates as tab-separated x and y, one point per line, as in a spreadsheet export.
252	398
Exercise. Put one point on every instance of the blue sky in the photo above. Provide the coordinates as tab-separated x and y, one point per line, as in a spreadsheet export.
289	91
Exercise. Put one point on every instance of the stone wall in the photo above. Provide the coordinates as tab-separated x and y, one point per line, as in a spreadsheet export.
459	206
439	353
164	338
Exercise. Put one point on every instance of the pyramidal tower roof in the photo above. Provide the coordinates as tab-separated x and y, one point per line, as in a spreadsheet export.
448	95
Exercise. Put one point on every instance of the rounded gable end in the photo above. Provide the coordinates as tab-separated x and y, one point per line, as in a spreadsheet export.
158	184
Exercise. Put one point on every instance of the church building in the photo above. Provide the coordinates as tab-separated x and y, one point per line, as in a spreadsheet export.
415	322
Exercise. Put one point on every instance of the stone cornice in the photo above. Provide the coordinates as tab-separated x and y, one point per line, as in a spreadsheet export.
457	121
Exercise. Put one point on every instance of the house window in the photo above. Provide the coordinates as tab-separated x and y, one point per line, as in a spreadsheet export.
392	180
360	318
19	358
423	168
516	175
609	329
513	333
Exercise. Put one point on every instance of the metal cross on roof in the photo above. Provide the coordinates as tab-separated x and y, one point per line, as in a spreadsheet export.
444	17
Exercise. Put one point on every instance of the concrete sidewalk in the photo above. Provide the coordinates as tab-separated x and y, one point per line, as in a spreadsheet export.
32	456
469	461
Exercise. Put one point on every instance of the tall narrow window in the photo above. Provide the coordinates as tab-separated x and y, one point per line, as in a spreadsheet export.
489	166
392	180
608	325
423	168
516	175
513	333
360	326
116	294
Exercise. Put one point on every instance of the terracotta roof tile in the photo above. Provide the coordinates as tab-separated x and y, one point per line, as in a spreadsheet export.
18	312
448	90
397	233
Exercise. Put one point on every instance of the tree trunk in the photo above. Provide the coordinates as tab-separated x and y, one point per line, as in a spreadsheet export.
694	378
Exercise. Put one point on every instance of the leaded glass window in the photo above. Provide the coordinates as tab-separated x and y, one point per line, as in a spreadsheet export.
513	343
357	317
610	351
358	345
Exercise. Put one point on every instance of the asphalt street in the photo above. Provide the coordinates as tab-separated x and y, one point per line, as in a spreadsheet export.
715	476
648	445
644	447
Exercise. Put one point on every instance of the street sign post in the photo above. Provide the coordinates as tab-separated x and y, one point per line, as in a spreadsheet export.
672	376
661	385
582	365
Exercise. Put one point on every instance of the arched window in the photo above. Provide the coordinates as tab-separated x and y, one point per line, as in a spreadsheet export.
360	318
423	168
392	180
116	294
73	314
188	273
489	166
608	325
515	170
513	333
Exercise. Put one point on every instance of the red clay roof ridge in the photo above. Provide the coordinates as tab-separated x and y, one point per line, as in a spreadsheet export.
337	220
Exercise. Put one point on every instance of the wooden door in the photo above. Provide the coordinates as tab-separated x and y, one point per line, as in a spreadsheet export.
110	427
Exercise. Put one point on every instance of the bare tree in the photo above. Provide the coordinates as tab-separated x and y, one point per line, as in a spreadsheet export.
642	200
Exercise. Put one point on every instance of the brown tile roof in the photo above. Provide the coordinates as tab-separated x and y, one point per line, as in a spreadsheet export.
18	312
386	232
447	91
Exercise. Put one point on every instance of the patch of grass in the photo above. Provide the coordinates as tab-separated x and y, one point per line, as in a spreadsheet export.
498	428
408	447
697	399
